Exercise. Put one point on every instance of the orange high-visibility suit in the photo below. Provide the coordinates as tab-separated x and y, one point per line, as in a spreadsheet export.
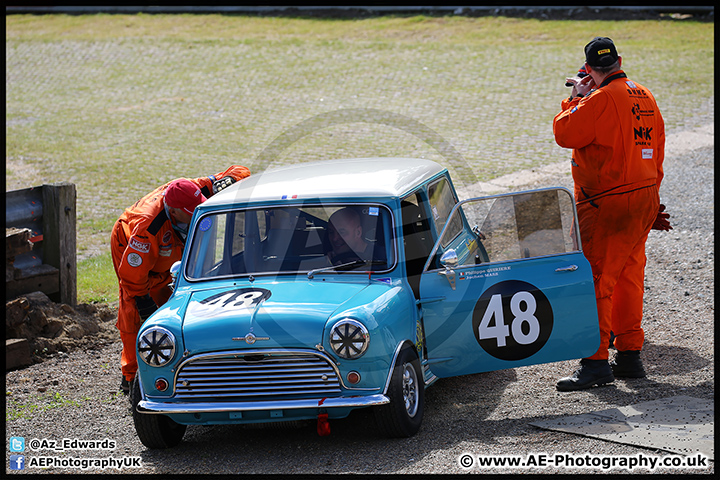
144	246
618	139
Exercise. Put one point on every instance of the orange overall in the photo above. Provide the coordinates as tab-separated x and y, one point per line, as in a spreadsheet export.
144	246
618	139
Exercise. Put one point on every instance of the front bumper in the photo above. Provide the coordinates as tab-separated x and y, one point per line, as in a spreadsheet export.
150	407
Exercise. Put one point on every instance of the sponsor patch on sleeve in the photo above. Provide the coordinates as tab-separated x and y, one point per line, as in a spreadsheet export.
134	260
139	246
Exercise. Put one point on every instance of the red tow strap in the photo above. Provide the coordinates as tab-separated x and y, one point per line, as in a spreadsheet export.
323	426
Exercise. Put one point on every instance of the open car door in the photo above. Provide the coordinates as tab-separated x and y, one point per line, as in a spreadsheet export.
511	287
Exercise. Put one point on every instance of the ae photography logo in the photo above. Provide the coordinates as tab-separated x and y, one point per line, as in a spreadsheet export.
599	462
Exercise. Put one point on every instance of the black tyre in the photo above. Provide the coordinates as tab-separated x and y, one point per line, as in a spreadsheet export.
402	417
154	430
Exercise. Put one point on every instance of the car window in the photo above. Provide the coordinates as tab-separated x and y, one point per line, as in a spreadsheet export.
417	238
292	239
515	226
442	200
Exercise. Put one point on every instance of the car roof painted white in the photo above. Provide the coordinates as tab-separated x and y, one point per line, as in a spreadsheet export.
357	177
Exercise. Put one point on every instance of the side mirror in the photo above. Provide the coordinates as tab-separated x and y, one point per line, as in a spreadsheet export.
449	259
173	273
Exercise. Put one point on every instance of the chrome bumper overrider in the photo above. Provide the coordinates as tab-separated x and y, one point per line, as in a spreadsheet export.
148	406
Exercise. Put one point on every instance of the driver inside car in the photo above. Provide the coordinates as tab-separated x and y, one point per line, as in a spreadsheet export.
345	234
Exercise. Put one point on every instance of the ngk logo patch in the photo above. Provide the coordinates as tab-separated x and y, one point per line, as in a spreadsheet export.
139	246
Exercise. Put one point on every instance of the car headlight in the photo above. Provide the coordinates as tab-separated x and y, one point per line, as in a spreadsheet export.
349	338
156	346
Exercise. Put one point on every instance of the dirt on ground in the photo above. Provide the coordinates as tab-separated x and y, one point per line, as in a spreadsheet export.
52	327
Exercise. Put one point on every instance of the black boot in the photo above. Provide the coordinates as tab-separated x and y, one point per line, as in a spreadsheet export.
628	365
125	386
591	372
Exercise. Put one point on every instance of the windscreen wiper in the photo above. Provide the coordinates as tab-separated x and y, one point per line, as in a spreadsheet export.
354	263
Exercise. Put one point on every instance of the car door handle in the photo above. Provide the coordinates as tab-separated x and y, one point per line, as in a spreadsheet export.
571	268
450	275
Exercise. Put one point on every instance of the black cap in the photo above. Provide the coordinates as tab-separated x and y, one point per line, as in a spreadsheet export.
600	52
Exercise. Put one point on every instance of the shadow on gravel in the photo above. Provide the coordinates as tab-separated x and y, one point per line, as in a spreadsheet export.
670	359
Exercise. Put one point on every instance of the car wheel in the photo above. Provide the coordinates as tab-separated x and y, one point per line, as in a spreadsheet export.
403	415
154	430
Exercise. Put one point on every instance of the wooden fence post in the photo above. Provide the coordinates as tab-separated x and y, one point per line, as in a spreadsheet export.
59	236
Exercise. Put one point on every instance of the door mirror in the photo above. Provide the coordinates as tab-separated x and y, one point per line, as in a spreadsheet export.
449	259
173	273
175	268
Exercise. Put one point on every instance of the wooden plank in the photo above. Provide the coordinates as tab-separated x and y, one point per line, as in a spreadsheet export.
9	270
17	353
44	278
17	241
59	236
39	271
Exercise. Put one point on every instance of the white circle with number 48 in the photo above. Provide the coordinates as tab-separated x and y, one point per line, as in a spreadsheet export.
512	320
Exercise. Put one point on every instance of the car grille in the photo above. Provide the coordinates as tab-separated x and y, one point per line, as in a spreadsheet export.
257	375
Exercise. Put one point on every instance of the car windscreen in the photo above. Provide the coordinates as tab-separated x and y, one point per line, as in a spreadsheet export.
292	239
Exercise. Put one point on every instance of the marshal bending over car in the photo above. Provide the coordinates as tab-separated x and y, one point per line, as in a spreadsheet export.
308	291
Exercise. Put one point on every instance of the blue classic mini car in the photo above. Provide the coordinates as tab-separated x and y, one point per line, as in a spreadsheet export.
308	291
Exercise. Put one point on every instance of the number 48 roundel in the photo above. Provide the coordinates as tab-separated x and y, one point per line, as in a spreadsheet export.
512	320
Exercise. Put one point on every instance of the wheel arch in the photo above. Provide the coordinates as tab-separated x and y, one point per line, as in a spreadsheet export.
407	343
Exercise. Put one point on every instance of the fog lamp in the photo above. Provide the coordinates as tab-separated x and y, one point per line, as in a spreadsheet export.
161	384
353	377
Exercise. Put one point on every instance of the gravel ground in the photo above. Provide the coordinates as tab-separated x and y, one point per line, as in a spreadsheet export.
75	395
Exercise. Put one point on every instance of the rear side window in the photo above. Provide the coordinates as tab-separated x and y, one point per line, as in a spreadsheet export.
442	201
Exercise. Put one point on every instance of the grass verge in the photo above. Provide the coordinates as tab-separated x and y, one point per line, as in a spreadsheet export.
96	280
118	104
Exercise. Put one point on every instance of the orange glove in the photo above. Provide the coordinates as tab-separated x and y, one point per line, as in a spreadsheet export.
661	222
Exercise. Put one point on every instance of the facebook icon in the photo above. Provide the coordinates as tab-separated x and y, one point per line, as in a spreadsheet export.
17	462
